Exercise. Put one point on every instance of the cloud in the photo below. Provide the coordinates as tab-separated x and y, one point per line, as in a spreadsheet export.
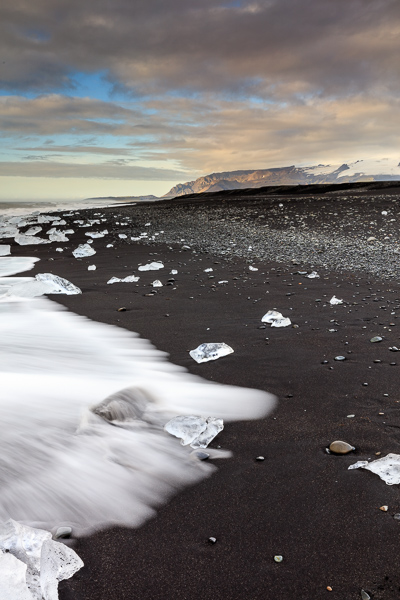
266	48
49	169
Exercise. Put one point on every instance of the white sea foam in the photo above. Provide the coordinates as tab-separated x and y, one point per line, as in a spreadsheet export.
83	407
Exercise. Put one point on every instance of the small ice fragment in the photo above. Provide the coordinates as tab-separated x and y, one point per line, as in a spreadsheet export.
276	319
123	236
59	284
173	272
7	232
27	240
335	300
157	283
91	268
96	234
110	246
313	275
153	266
284	322
59	249
58	236
384	213
16	264
209	270
206	352
5	250
271	316
83	250
32	564
223	281
214	426
128	279
193	430
252	268
186	427
387	468
33	230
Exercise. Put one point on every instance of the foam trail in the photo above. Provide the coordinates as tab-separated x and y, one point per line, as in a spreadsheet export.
83	407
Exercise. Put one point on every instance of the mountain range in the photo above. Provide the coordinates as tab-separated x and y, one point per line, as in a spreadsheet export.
359	171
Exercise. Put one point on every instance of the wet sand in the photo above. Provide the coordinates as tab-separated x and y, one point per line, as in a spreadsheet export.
299	502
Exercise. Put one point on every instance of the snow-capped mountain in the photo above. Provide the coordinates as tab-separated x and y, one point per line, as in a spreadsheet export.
385	169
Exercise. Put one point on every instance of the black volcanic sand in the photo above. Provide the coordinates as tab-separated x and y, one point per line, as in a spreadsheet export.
300	502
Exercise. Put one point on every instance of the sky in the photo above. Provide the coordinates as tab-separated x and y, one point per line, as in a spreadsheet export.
130	97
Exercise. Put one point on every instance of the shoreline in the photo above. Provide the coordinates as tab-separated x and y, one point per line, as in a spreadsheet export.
299	502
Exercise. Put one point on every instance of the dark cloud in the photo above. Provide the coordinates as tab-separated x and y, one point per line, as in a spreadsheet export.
274	48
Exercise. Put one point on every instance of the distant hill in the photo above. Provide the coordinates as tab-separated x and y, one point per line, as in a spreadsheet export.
359	171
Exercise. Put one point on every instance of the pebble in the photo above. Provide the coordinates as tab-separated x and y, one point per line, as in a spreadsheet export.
212	540
328	587
122	309
375	339
365	596
278	558
339	447
396	516
201	455
260	458
384	508
340	358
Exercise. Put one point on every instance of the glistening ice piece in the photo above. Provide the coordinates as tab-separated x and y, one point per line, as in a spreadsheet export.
193	430
83	250
388	468
40	563
206	352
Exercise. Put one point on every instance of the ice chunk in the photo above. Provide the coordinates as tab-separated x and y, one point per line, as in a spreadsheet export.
153	266
123	236
193	430
271	316
83	250
13	578
16	264
5	250
58	236
209	270
388	468
157	283
91	268
214	426
173	272
29	240
128	279
47	219
33	563
33	230
313	275
7	232
206	352
59	284
96	234
284	322
110	246
333	301
252	268
276	319
223	281
186	427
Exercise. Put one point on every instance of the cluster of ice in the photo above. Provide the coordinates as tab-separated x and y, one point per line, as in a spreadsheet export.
32	564
206	352
83	408
195	431
276	319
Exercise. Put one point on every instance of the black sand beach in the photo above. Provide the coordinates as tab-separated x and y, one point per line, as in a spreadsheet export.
300	502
